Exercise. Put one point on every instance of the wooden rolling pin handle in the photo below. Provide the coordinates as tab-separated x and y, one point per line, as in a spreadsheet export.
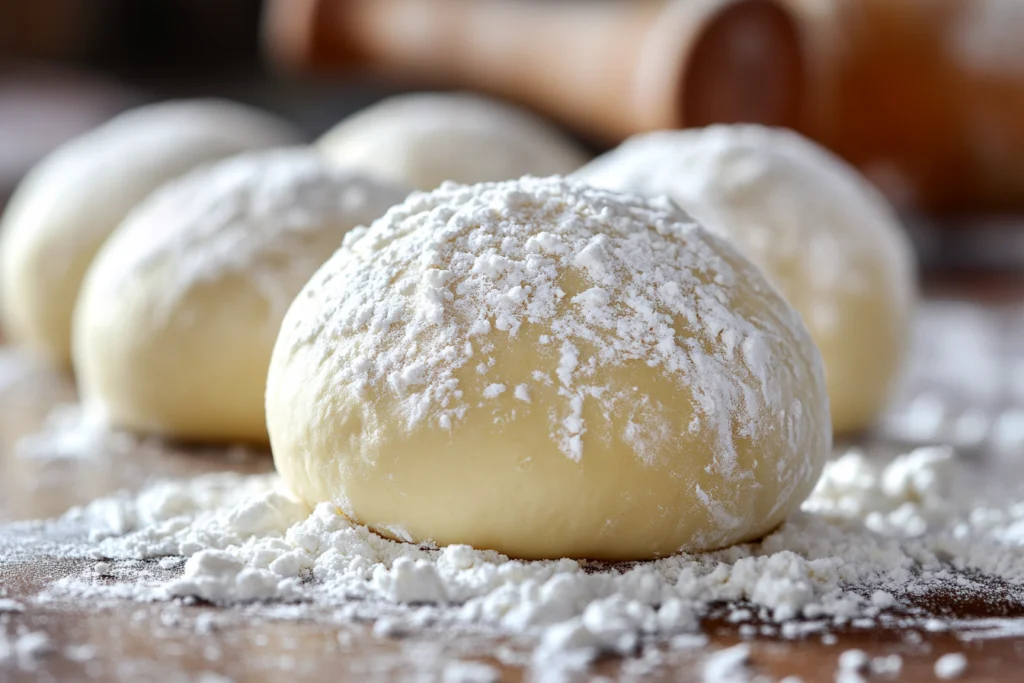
609	68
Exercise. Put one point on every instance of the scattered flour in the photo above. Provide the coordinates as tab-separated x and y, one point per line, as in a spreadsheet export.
411	302
271	217
875	539
819	231
872	537
69	432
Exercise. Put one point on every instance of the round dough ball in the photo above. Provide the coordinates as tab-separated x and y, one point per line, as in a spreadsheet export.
179	312
547	369
71	201
425	139
824	236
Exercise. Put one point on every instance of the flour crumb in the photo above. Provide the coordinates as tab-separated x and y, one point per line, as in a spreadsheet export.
728	666
8	605
389	627
470	672
853	660
952	665
494	390
888	665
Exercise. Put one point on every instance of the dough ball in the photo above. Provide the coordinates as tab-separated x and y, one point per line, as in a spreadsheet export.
424	139
179	312
547	369
68	204
822	234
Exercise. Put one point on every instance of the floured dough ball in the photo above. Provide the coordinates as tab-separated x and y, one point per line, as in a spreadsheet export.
68	204
179	311
424	139
546	369
822	234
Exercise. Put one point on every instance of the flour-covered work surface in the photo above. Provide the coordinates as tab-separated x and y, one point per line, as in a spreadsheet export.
163	563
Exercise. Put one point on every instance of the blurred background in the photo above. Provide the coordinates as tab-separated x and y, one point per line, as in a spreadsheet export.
925	96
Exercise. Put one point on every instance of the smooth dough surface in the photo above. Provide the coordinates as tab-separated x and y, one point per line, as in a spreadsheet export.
68	204
826	238
180	309
547	369
423	139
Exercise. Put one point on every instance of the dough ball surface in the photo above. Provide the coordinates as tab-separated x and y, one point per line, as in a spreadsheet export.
179	312
547	369
424	139
821	233
72	200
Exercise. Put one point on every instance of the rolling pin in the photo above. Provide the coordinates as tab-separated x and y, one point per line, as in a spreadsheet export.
925	96
608	68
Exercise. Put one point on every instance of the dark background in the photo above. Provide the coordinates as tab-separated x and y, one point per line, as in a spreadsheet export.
67	65
156	49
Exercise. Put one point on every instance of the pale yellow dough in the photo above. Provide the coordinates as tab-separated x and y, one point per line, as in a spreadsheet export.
546	369
67	206
179	311
826	238
424	139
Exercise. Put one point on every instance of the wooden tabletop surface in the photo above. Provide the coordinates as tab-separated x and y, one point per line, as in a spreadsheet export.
121	640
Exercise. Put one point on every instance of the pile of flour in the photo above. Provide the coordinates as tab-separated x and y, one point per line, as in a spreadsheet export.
873	540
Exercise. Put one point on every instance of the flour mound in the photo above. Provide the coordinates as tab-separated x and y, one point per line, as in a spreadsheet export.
245	541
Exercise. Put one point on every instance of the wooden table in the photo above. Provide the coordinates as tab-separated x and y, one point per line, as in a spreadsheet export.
108	640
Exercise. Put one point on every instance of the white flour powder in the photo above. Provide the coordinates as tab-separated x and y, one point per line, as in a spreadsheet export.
819	230
873	539
875	542
650	272
270	217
